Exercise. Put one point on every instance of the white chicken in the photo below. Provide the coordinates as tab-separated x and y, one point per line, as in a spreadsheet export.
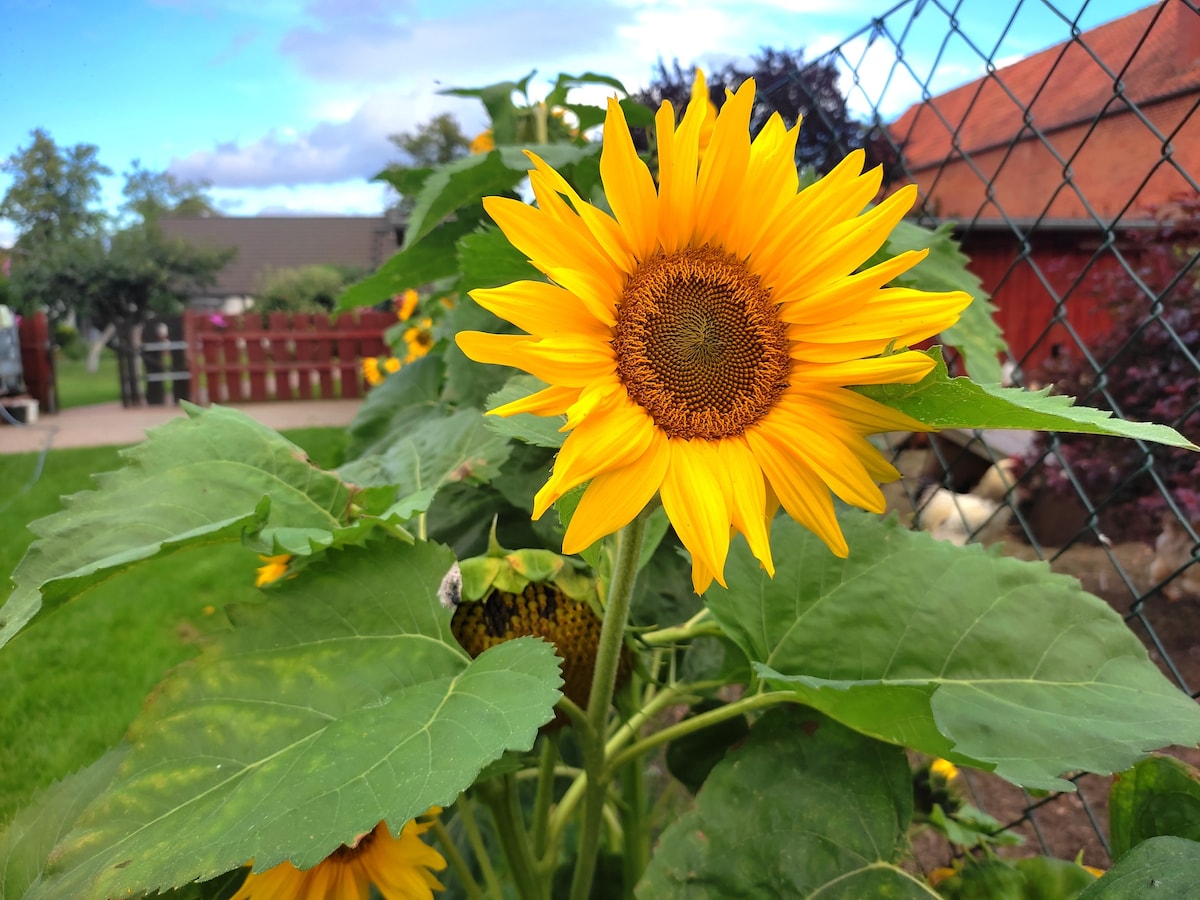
1174	550
981	515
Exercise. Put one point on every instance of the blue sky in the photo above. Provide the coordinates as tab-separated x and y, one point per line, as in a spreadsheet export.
285	105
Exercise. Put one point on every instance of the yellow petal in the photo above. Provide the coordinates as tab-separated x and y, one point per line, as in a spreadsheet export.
846	295
678	157
747	498
628	186
900	368
723	168
832	460
802	493
551	401
694	494
567	363
613	498
845	246
547	243
591	291
900	314
604	230
861	413
606	440
542	309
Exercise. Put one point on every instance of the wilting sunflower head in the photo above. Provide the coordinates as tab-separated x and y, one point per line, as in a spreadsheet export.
514	593
701	338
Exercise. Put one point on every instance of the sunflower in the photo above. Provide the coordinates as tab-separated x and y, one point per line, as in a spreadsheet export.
272	569
406	305
700	340
370	370
483	142
391	365
418	339
400	868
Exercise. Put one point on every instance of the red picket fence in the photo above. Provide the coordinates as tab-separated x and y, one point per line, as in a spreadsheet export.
37	360
280	356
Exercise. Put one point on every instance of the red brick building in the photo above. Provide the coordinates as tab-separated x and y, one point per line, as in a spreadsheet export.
1037	159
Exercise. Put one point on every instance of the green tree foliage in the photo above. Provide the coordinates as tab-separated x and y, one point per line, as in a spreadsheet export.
54	192
438	141
795	88
302	289
121	279
149	195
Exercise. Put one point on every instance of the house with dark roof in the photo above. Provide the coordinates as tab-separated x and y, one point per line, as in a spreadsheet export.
266	243
1045	163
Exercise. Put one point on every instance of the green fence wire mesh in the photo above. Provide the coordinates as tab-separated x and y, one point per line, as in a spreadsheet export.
1073	178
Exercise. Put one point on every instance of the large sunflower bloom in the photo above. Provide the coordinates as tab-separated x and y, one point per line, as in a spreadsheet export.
700	339
400	868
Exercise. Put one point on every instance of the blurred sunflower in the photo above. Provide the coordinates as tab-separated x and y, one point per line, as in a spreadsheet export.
391	365
272	569
371	370
406	305
483	142
400	868
700	339
418	339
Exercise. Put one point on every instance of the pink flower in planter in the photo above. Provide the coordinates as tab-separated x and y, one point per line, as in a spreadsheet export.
218	320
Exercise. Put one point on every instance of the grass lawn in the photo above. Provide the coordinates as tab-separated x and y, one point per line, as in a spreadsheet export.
73	681
79	387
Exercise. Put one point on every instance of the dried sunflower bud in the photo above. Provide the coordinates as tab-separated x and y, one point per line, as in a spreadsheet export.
511	594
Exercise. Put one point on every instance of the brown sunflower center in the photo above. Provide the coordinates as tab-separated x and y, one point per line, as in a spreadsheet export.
346	852
699	344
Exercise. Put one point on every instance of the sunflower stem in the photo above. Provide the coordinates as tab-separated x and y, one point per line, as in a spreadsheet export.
545	794
475	839
457	863
697	723
608	657
633	821
505	804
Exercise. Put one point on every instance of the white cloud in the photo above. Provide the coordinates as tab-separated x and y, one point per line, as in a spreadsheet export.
352	197
329	152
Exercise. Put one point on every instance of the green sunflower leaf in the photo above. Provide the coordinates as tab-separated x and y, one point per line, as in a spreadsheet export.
487	259
804	808
1165	868
976	335
929	645
946	402
457	184
393	406
26	843
340	702
1160	795
542	431
431	452
430	260
215	476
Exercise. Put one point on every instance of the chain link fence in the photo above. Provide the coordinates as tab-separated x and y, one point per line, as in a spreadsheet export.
1066	150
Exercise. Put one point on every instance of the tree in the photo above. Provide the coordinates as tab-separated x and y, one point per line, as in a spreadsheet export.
149	195
54	193
795	88
438	141
303	289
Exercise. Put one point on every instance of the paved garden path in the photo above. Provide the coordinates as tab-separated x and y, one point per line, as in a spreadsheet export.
110	423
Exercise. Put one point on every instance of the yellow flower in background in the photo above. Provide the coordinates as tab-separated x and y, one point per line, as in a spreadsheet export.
700	339
483	142
400	868
391	365
273	568
370	370
406	305
418	339
945	768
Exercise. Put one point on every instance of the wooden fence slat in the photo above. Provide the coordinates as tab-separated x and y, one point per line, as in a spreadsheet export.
280	357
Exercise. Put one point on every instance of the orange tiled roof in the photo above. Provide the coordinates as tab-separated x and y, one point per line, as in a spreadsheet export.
1076	88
